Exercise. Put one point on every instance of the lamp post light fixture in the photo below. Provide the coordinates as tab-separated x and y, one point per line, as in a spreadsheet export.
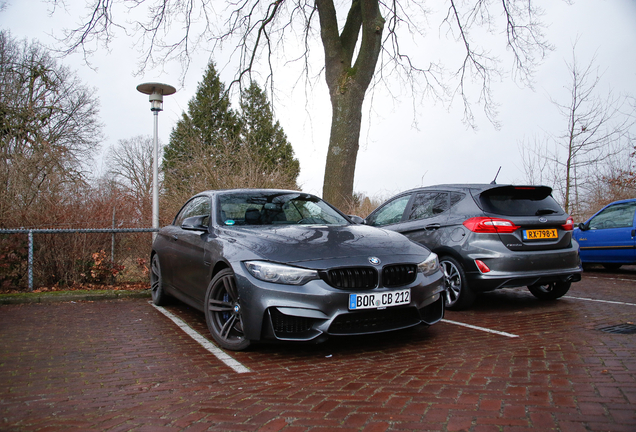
156	91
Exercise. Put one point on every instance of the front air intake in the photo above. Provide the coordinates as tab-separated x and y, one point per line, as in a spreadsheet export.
374	321
286	326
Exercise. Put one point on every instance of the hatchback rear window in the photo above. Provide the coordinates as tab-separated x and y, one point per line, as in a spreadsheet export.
520	201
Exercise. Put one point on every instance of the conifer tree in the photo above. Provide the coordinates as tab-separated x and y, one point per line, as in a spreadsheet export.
263	135
213	147
209	122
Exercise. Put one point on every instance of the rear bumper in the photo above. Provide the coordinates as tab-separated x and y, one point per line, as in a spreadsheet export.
515	269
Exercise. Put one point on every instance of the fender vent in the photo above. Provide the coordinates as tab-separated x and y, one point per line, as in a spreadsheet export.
628	328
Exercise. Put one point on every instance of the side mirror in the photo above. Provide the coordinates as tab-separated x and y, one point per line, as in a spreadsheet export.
196	223
356	219
583	227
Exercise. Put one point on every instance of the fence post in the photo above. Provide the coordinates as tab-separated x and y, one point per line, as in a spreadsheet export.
112	240
30	260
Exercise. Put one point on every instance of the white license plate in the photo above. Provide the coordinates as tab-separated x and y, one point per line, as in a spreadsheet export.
379	299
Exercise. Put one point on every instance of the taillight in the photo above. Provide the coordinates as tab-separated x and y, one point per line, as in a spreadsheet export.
490	225
569	225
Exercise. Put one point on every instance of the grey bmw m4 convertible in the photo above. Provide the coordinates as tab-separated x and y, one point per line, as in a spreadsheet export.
285	265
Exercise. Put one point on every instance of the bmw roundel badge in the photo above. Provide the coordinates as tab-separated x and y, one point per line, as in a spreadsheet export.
374	260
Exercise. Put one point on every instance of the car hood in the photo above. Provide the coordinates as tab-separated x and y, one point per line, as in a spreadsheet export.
306	243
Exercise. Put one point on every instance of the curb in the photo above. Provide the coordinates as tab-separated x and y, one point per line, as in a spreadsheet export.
67	297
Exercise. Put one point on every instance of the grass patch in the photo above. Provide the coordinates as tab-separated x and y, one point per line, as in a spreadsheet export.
90	294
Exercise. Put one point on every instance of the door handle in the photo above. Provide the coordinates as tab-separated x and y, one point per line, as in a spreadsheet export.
175	237
433	227
633	233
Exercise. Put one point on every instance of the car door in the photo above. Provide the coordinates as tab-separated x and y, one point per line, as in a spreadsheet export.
425	220
609	236
189	268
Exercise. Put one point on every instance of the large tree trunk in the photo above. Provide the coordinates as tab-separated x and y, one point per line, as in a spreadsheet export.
347	86
343	147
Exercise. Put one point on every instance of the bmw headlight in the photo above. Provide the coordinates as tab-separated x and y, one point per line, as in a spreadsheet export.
429	266
279	273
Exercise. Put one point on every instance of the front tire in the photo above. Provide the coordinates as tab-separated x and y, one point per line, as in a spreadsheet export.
458	294
223	312
159	296
550	291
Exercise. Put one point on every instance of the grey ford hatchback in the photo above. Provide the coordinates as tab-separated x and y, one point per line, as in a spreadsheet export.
489	236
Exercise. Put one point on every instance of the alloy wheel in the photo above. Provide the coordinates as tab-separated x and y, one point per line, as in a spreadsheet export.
159	296
223	312
453	282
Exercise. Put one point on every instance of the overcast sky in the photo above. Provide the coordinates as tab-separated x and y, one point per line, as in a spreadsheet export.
399	148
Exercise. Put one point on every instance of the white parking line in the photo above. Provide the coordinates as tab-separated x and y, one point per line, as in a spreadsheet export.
510	335
609	278
219	353
600	301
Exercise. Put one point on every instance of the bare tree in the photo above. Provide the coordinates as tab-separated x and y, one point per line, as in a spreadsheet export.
48	129
537	159
130	166
355	47
612	180
596	128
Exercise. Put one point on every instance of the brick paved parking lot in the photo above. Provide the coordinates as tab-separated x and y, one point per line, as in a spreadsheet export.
121	365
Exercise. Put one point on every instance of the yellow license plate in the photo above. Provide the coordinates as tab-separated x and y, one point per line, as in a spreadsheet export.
540	234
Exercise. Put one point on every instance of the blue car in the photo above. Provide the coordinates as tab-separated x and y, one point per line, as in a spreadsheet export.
609	237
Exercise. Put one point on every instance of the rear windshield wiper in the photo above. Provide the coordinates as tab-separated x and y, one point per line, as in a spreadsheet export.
545	211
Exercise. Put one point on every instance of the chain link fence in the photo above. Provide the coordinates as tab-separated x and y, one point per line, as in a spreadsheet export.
66	257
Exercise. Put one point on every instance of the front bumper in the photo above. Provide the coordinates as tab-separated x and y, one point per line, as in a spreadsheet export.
315	310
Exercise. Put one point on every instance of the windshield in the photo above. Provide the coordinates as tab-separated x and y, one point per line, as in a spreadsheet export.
520	201
276	208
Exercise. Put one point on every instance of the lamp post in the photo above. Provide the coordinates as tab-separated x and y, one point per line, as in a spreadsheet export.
156	91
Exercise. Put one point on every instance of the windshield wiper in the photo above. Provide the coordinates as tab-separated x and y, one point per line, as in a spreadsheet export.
545	211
